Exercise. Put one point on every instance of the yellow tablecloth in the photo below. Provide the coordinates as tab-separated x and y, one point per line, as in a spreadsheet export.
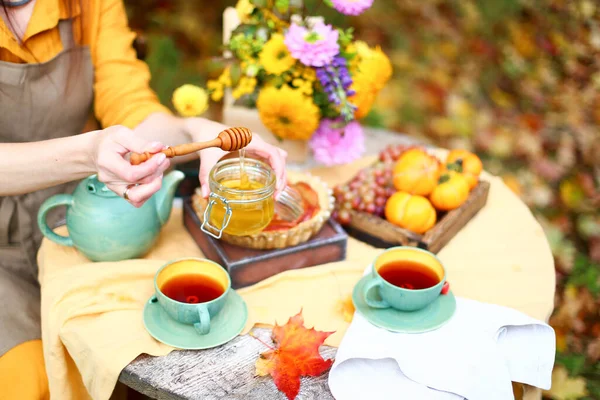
91	312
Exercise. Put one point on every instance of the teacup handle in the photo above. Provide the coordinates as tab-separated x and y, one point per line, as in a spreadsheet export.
374	303
203	327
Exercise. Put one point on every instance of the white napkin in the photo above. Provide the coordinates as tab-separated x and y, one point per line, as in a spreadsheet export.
474	356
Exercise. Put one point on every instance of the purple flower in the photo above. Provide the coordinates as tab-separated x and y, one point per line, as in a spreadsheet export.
352	7
336	81
335	142
315	47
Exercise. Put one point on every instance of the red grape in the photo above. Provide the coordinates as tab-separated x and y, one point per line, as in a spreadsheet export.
369	190
344	217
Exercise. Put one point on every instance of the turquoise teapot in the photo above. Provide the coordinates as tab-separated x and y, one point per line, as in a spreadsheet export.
105	227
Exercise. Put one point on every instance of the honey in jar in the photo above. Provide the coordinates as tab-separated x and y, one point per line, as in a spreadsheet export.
241	201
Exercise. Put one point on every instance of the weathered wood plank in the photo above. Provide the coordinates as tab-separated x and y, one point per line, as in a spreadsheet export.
225	372
456	219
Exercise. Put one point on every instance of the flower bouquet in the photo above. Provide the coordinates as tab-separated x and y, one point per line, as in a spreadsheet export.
308	80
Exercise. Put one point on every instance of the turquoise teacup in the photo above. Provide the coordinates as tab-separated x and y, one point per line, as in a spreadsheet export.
407	278
192	291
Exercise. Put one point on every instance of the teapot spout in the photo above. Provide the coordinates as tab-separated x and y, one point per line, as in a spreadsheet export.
165	196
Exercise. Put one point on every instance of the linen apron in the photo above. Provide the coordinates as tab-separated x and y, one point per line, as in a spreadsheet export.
35	107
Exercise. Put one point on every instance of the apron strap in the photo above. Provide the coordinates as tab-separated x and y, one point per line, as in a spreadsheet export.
10	208
26	233
13	207
7	209
65	28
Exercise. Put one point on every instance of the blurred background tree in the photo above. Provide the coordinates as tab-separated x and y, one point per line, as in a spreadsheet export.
516	81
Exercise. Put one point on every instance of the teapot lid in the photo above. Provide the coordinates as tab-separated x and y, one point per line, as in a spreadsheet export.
93	186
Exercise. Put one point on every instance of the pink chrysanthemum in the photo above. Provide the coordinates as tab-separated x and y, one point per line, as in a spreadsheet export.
315	47
333	143
352	7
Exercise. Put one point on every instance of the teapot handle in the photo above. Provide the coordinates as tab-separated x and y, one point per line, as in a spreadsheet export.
54	201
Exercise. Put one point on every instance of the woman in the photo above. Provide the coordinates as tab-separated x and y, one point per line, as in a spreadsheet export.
60	62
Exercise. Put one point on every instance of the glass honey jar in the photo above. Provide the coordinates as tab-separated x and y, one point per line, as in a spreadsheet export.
241	201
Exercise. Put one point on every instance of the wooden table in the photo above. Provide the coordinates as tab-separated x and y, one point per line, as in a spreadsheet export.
227	372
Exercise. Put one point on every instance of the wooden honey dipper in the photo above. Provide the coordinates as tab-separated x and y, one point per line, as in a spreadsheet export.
231	139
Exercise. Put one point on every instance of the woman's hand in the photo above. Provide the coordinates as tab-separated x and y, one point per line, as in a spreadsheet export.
108	156
275	156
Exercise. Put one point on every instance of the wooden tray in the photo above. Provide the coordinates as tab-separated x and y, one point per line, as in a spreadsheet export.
249	266
380	233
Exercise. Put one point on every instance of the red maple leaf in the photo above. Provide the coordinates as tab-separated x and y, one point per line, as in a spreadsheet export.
296	354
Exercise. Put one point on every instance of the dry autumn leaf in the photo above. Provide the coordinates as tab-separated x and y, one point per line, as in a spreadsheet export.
565	387
346	308
296	354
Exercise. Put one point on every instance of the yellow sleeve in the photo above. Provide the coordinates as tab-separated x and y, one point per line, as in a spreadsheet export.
121	81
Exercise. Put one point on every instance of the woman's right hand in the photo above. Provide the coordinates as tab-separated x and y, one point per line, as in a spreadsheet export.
109	149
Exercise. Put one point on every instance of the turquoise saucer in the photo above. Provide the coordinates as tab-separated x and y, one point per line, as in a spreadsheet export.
427	319
225	326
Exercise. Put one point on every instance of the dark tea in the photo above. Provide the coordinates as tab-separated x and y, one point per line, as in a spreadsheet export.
192	288
409	274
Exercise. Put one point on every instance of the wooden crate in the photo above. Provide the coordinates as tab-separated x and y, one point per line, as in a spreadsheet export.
380	233
249	266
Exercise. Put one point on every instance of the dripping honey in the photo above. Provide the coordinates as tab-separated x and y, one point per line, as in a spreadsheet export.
243	176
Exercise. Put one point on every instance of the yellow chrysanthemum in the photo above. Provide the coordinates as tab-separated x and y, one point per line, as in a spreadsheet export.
370	69
225	77
217	95
244	8
216	90
376	64
309	74
245	86
307	89
288	113
214	85
275	57
217	86
365	94
305	86
190	100
361	48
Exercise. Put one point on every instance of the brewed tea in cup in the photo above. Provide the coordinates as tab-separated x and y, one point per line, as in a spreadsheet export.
192	291
407	279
